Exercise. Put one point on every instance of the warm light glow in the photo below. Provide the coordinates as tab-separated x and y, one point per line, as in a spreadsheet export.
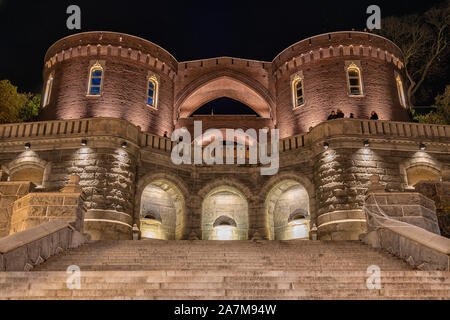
224	232
299	229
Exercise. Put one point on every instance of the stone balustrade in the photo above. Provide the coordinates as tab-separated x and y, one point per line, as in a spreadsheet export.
10	133
24	250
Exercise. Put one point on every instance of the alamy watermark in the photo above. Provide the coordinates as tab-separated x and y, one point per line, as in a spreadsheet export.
374	280
208	147
374	21
74	20
73	282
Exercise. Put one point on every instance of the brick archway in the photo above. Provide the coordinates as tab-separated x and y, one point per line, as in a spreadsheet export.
224	84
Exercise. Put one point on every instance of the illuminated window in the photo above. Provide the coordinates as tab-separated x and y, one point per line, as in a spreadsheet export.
401	92
95	80
152	92
48	91
354	80
297	91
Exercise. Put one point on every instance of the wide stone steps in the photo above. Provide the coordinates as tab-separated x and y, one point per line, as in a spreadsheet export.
224	285
218	255
220	270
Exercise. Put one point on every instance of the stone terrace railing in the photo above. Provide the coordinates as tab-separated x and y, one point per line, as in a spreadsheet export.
123	129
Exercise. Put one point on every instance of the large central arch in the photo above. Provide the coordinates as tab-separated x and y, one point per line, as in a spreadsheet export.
224	84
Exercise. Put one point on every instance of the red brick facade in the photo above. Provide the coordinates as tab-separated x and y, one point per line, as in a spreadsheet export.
266	87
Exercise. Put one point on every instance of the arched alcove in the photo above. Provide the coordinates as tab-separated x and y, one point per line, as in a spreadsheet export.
419	173
224	206
287	209
162	211
28	166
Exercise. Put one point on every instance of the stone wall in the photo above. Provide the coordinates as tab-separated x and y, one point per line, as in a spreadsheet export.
439	192
10	192
35	209
336	179
412	208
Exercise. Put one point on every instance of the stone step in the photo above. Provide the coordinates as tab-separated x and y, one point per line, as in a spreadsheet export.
216	293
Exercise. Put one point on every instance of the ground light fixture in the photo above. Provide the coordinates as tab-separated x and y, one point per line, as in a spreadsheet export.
422	147
27	145
366	143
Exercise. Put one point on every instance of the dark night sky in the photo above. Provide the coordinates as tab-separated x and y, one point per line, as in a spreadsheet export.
189	30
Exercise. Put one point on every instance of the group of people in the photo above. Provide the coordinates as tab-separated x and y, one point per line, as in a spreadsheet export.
339	115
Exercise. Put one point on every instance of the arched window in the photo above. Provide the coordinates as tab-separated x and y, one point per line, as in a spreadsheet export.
152	92
297	92
95	80
354	80
48	91
400	90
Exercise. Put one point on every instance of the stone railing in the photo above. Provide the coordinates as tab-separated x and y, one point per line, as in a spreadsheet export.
420	248
10	133
24	250
373	128
405	224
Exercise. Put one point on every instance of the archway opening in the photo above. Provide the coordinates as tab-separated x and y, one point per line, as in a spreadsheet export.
287	209
35	175
162	211
421	173
224	106
225	86
224	215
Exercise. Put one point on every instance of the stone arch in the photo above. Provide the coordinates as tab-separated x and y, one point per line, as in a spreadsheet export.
226	83
28	166
164	196
224	204
420	167
286	196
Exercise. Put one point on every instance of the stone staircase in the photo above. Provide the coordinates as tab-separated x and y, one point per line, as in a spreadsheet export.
204	270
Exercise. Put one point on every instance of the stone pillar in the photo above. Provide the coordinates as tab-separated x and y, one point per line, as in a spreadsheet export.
194	218
258	221
339	200
108	178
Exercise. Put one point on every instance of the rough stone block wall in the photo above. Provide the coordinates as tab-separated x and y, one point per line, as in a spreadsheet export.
35	209
439	192
10	192
342	177
412	208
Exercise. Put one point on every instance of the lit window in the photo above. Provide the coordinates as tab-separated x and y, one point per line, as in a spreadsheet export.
401	92
152	92
354	80
95	80
48	91
297	89
224	232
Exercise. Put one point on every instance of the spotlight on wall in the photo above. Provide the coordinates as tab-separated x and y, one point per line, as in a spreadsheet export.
366	143
27	145
422	146
84	142
124	145
326	145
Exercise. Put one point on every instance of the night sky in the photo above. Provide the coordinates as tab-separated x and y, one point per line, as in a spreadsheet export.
189	30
